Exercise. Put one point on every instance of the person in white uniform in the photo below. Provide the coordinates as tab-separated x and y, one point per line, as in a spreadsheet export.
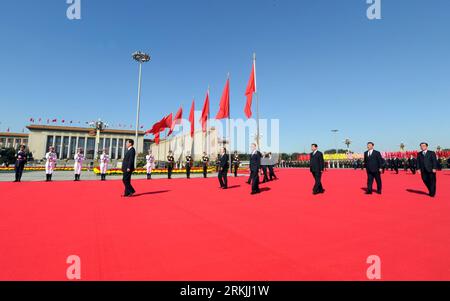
104	160
150	164
50	163
78	165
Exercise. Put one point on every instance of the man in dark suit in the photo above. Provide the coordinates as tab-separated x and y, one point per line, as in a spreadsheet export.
374	166
21	159
427	165
316	166
128	168
255	165
223	169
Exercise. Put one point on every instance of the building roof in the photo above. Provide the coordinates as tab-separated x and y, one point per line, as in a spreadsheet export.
36	127
8	134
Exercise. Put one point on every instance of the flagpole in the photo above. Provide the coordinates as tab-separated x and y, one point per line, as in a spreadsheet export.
257	101
207	136
229	126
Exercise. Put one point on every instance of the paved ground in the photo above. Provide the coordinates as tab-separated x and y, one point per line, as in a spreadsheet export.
86	175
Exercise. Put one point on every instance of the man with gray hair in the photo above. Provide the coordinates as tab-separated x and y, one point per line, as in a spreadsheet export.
255	165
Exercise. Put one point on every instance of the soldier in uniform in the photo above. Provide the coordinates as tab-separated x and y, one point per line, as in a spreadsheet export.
264	169
271	166
412	162
150	164
188	165
78	165
21	159
217	162
205	161
50	163
236	163
104	160
170	164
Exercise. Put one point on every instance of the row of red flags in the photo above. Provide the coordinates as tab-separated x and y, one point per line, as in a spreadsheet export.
168	122
55	120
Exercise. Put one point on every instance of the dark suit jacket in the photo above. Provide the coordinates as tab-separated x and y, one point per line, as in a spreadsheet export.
128	160
373	163
255	161
428	162
223	161
316	162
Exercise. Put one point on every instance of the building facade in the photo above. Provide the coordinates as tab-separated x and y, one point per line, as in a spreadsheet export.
13	140
67	140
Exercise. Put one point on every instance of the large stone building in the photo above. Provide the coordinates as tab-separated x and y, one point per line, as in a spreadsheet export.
67	139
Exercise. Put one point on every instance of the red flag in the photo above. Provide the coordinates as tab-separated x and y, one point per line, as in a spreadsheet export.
157	138
168	121
224	108
177	120
191	118
32	120
40	119
251	88
62	121
54	120
205	112
7	130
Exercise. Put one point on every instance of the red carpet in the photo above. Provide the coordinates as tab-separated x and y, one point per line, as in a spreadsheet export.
190	230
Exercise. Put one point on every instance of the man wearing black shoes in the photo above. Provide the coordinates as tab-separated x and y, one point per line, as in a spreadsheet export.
374	166
427	166
223	169
128	168
255	165
316	167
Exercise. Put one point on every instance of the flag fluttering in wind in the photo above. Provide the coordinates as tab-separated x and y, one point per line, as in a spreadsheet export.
177	120
191	118
251	88
205	112
224	107
157	138
168	121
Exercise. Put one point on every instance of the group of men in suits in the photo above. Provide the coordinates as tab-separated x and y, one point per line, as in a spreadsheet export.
426	163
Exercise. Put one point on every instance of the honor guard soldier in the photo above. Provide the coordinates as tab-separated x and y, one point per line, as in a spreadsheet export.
236	163
104	160
217	162
170	164
271	167
21	159
188	166
50	163
205	161
78	165
150	164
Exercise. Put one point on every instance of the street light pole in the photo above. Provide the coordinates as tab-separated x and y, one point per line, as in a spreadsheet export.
335	139
141	58
138	108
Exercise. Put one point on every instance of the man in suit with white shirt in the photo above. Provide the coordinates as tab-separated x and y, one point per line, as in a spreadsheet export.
374	166
128	168
316	167
427	166
255	165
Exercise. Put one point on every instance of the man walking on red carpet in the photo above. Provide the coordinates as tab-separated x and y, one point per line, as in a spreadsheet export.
374	166
128	168
427	165
316	167
255	165
223	169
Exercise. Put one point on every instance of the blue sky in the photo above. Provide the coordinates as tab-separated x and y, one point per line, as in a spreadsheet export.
322	65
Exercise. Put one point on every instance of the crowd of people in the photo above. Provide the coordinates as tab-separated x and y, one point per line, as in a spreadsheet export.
426	163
